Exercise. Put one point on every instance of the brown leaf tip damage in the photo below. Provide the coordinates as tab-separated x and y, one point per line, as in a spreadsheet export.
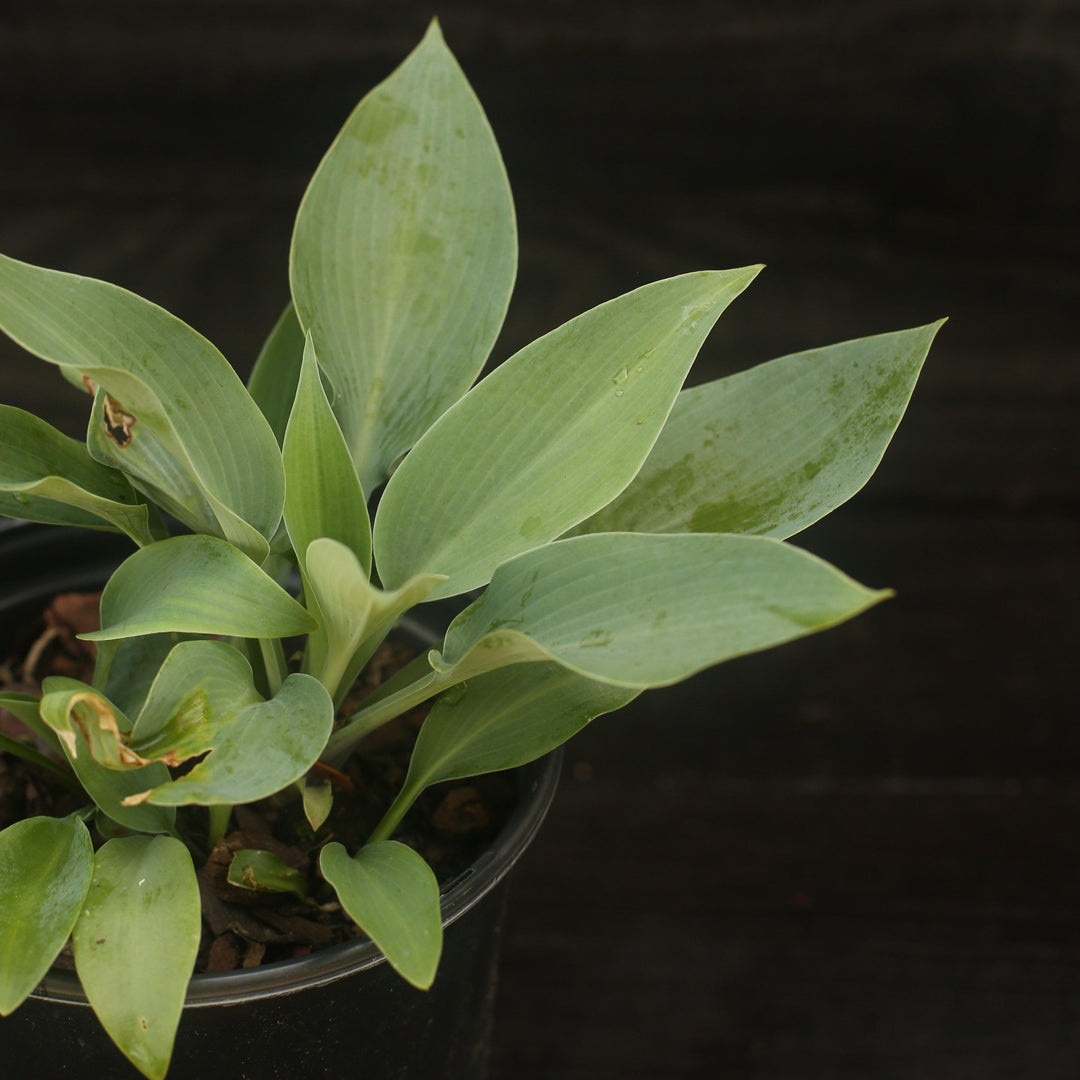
118	424
102	722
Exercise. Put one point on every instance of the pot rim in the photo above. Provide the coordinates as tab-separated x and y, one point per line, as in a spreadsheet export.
536	784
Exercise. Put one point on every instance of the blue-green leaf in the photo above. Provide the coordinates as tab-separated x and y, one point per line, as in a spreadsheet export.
134	667
262	871
500	720
507	718
549	437
25	708
170	412
391	894
323	497
47	477
45	868
203	701
82	718
352	611
135	944
272	384
404	255
640	610
198	585
773	449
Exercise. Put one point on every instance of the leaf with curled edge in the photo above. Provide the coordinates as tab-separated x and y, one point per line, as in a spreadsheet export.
354	614
204	702
47	477
170	412
80	717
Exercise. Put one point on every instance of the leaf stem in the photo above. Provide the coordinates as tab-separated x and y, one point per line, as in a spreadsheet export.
273	654
414	672
106	653
359	660
219	824
398	809
386	703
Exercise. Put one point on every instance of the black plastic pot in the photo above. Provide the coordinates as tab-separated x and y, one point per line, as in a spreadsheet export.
341	1012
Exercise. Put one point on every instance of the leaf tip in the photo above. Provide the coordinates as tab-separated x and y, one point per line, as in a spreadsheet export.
751	272
742	273
421	982
725	285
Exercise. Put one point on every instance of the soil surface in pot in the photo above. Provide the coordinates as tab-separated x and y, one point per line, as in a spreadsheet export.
450	825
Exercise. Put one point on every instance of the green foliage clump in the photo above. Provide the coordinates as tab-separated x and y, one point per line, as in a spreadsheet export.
626	533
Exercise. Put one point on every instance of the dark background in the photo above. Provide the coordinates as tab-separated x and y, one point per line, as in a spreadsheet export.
853	857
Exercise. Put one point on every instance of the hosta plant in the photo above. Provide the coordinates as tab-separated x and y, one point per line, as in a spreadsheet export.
618	532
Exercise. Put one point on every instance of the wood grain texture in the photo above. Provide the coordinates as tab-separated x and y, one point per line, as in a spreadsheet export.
855	857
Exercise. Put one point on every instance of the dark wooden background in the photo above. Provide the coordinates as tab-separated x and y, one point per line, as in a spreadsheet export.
853	857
